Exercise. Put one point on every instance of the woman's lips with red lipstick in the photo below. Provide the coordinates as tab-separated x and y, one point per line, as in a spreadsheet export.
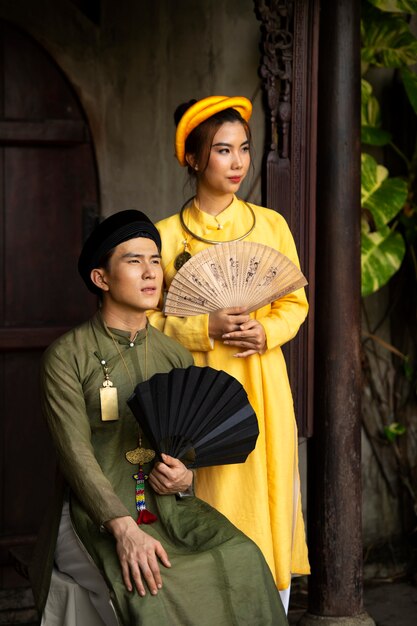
235	179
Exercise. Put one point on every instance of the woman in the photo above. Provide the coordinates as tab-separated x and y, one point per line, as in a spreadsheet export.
262	496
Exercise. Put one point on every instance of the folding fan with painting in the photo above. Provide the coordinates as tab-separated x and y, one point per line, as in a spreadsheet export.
232	274
198	414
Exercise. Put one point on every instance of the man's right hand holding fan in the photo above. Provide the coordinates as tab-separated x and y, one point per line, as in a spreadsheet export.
170	477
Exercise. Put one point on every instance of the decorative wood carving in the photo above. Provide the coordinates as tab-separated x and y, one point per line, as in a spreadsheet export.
288	68
276	71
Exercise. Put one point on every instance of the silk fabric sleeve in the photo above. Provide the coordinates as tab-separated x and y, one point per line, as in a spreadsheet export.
65	411
287	314
191	332
284	319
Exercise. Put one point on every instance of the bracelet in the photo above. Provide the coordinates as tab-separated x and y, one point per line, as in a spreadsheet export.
188	492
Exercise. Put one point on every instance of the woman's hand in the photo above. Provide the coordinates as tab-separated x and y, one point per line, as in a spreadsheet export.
138	554
226	321
250	336
170	477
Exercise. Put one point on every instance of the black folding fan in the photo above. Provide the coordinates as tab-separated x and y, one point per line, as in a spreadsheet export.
199	415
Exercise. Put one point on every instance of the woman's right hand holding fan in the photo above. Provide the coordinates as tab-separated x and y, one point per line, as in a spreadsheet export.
226	321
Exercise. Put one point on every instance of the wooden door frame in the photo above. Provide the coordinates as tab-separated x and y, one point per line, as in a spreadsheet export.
58	133
288	70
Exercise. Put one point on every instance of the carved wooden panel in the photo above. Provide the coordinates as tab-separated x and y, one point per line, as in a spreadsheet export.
288	68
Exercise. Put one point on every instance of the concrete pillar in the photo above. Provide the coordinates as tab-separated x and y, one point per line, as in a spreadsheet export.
334	464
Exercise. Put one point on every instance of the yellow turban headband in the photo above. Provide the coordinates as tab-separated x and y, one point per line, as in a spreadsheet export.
201	111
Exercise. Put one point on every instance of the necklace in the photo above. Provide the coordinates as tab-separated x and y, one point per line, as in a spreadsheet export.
108	392
185	256
140	455
131	344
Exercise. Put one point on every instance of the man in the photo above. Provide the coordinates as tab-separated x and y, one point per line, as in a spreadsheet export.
190	565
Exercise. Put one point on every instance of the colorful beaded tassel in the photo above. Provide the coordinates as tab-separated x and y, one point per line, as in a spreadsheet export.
144	516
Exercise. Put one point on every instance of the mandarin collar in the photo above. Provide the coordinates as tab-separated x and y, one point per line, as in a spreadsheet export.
209	222
121	336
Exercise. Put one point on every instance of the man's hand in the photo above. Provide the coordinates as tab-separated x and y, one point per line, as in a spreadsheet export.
226	321
250	336
137	552
170	477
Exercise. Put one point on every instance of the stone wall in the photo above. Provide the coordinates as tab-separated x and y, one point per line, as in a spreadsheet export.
133	69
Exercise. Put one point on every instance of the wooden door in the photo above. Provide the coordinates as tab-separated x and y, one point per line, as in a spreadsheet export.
48	182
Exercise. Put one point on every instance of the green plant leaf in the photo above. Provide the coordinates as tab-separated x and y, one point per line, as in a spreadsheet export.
371	132
374	136
393	431
370	110
382	253
408	220
410	84
383	196
395	6
387	41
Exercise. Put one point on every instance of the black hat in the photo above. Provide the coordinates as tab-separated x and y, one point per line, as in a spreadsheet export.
116	229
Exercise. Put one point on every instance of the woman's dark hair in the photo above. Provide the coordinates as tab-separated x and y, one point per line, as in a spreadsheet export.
199	141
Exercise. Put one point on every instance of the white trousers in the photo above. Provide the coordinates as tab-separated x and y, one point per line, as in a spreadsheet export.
78	594
285	597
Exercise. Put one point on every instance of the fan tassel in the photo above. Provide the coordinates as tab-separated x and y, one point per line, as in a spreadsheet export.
144	516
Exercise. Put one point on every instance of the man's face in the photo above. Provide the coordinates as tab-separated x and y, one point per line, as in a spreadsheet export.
133	279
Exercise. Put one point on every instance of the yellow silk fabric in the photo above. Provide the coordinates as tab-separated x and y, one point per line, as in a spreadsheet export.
262	496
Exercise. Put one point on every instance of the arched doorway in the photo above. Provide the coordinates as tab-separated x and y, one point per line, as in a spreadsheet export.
48	184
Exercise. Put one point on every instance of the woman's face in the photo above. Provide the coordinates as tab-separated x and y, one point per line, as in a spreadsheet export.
229	160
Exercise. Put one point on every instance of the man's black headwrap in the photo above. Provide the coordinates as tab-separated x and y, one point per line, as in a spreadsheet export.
116	229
